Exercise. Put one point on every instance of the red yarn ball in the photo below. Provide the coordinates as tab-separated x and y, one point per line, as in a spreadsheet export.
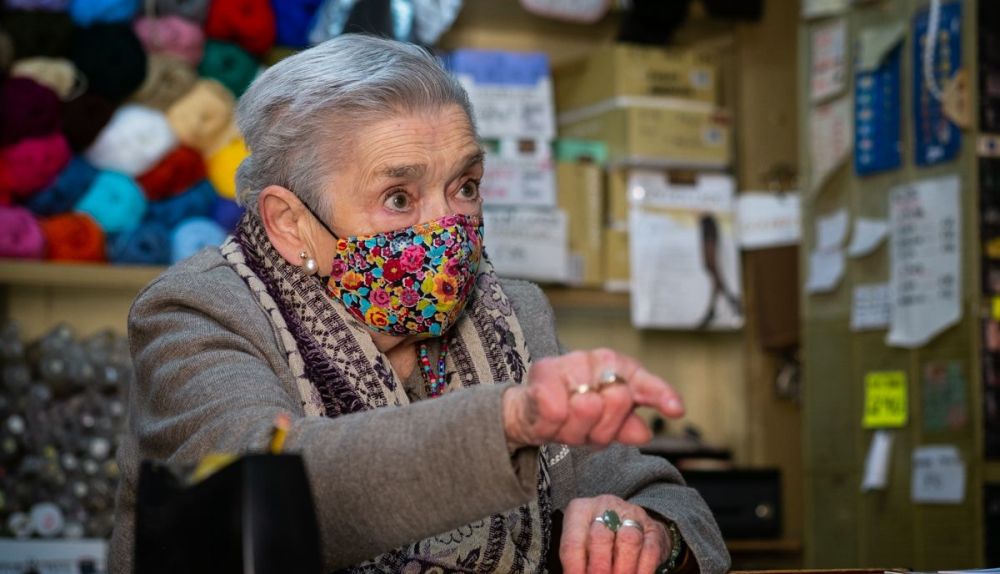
73	237
249	23
176	172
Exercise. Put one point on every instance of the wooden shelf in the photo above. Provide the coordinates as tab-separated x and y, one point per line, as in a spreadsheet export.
586	298
778	545
87	275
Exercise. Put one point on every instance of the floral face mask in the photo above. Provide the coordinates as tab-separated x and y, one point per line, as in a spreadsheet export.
413	281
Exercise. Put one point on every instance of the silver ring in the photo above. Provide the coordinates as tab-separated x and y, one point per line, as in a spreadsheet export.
633	524
583	389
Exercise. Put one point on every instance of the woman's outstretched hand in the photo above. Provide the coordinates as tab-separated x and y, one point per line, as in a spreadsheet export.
585	398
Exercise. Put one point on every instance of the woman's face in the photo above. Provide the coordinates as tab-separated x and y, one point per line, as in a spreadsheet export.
405	170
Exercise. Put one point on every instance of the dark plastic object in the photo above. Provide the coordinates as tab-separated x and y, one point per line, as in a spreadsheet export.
255	515
745	503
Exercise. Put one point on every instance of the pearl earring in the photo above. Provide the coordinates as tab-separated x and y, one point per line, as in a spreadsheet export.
308	263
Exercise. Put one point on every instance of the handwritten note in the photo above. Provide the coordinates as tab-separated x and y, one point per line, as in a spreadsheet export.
867	236
870	307
925	225
768	219
886	403
938	475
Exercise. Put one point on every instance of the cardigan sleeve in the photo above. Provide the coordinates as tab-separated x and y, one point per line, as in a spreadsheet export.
207	380
646	481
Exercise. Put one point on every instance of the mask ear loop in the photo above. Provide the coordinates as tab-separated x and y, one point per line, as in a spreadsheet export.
319	219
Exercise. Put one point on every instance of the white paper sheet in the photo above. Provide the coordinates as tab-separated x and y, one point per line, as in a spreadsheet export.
529	243
876	475
831	137
683	253
875	42
870	307
938	475
831	230
867	236
817	8
926	280
828	71
768	219
826	268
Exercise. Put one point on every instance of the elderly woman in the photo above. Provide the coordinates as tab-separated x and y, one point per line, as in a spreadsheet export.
440	425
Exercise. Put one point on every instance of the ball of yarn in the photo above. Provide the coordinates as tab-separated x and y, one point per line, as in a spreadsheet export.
249	23
133	141
115	202
66	190
167	79
230	65
194	10
56	74
196	201
20	234
31	164
226	213
84	117
293	20
176	172
112	59
171	35
39	33
203	116
87	12
222	167
148	244
50	5
27	109
73	237
193	235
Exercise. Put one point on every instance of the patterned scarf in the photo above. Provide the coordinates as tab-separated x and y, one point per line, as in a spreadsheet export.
339	370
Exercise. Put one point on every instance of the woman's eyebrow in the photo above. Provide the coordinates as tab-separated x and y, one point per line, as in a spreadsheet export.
417	170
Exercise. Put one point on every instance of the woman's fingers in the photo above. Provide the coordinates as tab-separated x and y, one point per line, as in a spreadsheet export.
637	543
628	546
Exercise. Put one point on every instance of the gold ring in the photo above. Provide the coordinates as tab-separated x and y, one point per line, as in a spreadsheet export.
609	378
584	389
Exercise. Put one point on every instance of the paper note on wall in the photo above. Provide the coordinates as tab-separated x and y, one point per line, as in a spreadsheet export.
938	475
831	137
768	219
926	234
826	268
876	474
886	402
944	397
870	307
867	236
529	243
818	8
828	57
683	252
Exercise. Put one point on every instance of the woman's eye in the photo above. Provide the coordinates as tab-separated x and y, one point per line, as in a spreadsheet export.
469	190
398	201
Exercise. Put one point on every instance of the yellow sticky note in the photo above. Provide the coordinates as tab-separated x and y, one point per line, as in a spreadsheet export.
996	308
885	400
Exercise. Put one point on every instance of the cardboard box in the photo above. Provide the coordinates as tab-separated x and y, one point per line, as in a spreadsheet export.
510	92
519	172
581	196
617	270
616	199
654	132
527	243
632	70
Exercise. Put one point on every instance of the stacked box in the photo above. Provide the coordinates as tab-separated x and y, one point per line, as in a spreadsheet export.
511	95
581	196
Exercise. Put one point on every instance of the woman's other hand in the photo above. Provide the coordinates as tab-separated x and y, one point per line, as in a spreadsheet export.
565	401
640	544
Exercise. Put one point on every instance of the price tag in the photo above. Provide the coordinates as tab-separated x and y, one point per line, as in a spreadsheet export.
885	400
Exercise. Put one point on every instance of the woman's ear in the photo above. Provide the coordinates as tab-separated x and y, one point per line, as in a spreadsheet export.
284	219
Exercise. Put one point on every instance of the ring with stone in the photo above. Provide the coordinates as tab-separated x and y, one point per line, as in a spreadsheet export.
608	378
610	520
633	524
583	389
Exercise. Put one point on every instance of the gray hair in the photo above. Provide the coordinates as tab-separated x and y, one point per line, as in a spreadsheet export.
301	115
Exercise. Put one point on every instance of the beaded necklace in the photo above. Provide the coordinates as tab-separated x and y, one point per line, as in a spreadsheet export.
435	382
